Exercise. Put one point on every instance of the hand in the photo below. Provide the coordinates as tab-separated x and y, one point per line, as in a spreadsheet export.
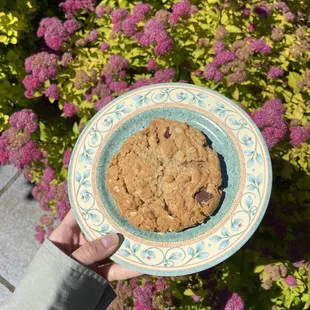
68	237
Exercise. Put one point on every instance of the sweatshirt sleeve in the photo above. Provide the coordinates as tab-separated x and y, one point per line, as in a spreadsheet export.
56	281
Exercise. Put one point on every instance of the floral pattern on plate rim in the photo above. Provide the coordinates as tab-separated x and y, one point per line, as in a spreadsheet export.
197	256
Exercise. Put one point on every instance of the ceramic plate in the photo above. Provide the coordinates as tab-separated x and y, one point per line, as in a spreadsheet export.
245	166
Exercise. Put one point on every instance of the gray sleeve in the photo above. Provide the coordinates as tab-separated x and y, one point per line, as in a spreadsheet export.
56	281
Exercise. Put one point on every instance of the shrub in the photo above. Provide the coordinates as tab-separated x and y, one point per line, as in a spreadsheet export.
256	53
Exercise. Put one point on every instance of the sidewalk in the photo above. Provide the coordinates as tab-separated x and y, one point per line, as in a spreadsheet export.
20	213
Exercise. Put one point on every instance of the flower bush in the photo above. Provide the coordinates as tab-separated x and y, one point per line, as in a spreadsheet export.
255	52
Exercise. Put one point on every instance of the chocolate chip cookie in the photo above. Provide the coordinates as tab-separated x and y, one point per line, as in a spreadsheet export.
165	177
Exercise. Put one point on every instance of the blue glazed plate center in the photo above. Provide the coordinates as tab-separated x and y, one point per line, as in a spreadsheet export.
216	138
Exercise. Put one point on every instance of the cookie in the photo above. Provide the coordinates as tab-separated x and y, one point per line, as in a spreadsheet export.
165	177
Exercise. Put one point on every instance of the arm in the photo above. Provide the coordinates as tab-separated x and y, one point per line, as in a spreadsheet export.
56	281
67	273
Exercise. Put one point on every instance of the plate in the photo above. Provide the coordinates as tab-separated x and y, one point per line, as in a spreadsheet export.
245	165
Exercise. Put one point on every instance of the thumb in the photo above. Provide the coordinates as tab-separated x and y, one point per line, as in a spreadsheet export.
97	250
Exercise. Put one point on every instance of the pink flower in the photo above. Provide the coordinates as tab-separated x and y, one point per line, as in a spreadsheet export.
246	12
273	135
129	25
164	45
140	83
70	109
48	175
219	46
31	83
282	6
144	294
66	59
4	153
161	285
141	9
235	302
67	156
119	15
275	72
289	16
54	32
62	208
40	234
290	280
222	58
29	153
52	92
252	27
93	35
196	298
104	46
24	120
118	86
102	102
298	135
71	26
180	9
152	65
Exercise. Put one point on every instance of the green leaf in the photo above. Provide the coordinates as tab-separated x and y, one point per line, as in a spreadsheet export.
258	269
188	292
233	29
293	79
43	132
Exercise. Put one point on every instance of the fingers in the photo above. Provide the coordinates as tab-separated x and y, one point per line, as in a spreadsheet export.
97	250
117	272
70	220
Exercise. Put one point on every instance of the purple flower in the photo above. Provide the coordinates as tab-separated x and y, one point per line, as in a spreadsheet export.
219	46
104	46
152	65
260	46
275	72
31	83
118	63
282	6
52	92
164	45
163	76
24	120
67	157
71	7
71	26
93	35
222	58
298	135
211	73
289	16
118	15
28	153
103	102
273	135
118	87
262	10
144	294
129	25
70	109
290	280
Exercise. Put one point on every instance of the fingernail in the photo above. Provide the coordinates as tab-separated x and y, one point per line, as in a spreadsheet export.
110	241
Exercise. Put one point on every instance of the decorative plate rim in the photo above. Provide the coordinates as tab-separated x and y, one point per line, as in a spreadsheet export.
235	247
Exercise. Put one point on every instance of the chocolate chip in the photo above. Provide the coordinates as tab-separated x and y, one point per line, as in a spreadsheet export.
202	196
167	134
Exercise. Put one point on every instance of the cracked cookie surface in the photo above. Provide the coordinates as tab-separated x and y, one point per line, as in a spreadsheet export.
165	177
